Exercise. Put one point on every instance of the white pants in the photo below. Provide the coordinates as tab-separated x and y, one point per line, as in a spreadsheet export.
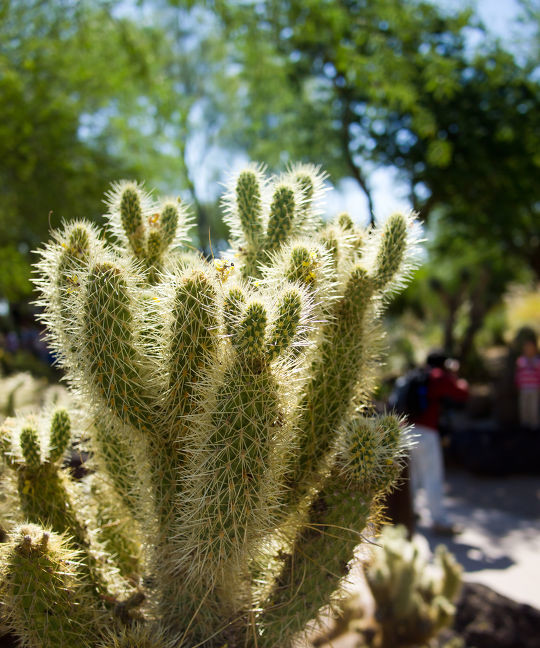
427	472
528	407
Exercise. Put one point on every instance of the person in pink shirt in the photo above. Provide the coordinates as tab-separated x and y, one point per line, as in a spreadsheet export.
528	384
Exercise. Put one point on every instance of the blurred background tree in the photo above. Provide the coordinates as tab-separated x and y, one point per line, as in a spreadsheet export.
361	84
90	92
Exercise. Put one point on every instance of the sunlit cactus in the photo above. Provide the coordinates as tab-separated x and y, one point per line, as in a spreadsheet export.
226	406
33	449
45	603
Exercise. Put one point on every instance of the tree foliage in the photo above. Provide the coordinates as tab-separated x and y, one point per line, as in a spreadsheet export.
395	83
91	91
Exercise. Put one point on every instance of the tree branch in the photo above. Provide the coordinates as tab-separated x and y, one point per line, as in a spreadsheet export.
355	169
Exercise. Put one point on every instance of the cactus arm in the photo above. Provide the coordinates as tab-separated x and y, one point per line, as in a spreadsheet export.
332	385
46	602
369	459
317	566
280	221
234	501
114	363
60	435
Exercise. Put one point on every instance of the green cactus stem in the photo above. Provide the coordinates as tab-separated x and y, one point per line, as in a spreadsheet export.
45	602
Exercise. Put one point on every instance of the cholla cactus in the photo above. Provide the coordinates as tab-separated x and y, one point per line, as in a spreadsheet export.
33	448
414	599
43	593
227	402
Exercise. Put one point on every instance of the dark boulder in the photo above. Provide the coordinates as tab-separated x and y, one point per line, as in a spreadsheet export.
486	619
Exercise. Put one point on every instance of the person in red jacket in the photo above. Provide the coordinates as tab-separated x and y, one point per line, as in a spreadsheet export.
427	468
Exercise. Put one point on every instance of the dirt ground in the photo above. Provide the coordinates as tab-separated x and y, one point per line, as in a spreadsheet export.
500	542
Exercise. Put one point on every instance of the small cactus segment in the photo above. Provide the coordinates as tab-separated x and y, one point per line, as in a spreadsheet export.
45	603
356	235
391	250
74	256
249	340
414	600
169	221
113	361
309	180
30	448
285	326
249	201
193	342
60	435
131	216
162	227
280	221
245	215
62	269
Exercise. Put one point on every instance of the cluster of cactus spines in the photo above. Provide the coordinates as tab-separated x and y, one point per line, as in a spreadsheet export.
414	599
223	396
44	601
263	214
149	229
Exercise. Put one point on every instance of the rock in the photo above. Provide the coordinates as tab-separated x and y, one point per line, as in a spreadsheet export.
486	619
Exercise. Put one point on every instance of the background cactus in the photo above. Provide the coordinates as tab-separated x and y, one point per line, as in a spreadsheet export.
414	600
227	402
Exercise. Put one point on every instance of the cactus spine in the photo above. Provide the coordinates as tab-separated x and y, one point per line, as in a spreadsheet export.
227	404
